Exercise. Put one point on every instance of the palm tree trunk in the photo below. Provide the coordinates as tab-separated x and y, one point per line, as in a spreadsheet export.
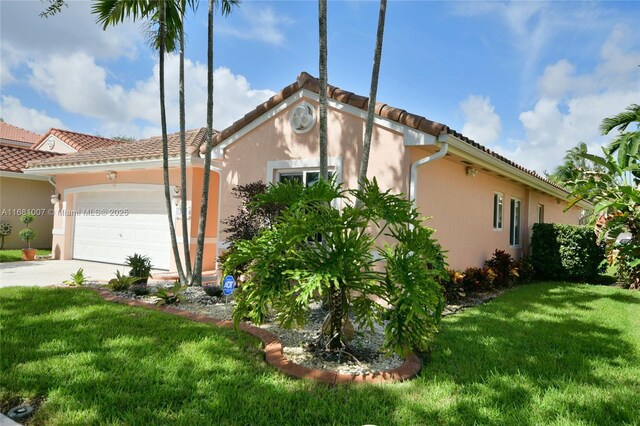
186	235
373	92
322	21
197	270
165	145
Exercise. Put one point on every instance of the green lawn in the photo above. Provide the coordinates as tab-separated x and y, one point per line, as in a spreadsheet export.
541	354
16	255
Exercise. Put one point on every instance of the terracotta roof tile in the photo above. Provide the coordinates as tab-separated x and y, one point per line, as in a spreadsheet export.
146	149
79	141
14	158
14	133
307	81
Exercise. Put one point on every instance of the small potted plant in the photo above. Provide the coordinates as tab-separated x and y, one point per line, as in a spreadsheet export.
140	267
27	235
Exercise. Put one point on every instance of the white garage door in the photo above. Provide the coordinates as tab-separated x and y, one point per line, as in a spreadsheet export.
111	225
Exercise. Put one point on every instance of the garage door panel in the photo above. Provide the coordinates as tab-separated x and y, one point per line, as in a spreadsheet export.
111	237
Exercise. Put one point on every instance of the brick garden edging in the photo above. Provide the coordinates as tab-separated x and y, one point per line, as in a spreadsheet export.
273	349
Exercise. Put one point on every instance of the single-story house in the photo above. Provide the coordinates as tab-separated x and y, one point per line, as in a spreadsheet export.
21	192
479	201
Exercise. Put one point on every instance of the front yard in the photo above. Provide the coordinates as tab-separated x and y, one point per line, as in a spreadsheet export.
548	353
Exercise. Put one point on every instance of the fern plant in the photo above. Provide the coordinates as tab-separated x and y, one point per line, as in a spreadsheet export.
314	250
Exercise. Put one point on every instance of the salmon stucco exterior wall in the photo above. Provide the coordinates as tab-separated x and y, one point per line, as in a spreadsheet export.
461	205
461	211
273	147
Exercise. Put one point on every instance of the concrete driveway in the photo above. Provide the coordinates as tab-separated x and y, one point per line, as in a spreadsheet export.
42	273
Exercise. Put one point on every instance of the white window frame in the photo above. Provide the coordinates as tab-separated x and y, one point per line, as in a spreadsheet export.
515	222
498	211
540	213
279	167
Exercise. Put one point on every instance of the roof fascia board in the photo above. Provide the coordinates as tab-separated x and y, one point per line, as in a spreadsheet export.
471	153
416	138
18	175
114	165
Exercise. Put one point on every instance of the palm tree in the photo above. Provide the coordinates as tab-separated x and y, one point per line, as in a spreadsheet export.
627	143
573	166
226	7
322	21
186	243
167	14
375	73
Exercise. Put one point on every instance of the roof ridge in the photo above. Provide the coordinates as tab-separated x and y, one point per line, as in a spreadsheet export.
83	134
415	121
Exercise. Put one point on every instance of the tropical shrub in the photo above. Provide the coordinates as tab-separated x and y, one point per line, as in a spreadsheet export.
77	279
616	198
478	279
504	267
615	192
140	266
525	270
313	250
248	221
122	282
171	295
452	286
566	252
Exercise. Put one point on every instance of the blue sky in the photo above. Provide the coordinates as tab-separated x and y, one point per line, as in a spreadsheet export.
527	79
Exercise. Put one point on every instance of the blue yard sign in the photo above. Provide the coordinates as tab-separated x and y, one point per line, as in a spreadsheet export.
228	285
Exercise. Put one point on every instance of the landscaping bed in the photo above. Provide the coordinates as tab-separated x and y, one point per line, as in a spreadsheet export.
297	344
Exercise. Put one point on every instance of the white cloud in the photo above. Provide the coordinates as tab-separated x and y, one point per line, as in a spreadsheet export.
571	106
72	30
482	123
80	86
15	113
260	23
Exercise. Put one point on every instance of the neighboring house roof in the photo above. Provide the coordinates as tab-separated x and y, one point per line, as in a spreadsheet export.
77	141
414	121
11	133
14	158
145	149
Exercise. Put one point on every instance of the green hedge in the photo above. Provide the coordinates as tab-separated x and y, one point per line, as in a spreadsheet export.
567	252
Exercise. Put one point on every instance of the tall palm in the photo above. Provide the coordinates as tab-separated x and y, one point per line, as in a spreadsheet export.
226	7
628	142
373	92
322	24
168	15
186	240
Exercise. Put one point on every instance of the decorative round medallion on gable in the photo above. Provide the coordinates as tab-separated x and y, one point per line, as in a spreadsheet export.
51	143
303	117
